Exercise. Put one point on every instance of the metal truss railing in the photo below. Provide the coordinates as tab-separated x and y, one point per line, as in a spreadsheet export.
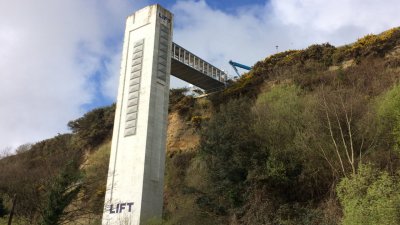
190	59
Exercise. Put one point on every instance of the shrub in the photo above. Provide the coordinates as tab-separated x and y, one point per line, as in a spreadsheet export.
279	123
3	210
229	145
62	191
389	112
176	95
198	120
95	183
184	107
370	197
375	45
94	127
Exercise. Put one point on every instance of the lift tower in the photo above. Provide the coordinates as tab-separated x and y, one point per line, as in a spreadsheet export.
134	191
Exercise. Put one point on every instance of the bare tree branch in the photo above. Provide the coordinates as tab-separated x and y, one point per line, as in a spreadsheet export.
332	136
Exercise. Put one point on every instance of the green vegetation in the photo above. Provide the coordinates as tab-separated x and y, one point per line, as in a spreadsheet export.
180	102
370	197
94	128
96	170
54	181
389	113
3	210
306	137
61	193
229	146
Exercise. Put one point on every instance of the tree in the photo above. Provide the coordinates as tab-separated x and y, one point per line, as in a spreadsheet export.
63	190
342	112
5	152
23	148
31	174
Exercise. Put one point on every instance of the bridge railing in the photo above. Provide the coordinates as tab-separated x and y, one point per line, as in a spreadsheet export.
190	59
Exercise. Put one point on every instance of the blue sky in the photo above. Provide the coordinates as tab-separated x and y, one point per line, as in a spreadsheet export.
62	58
224	5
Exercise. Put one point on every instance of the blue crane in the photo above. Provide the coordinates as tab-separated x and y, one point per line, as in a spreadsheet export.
235	65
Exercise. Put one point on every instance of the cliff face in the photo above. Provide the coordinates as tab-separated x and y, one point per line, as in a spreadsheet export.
181	135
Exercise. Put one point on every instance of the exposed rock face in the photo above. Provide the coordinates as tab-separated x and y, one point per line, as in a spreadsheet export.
181	136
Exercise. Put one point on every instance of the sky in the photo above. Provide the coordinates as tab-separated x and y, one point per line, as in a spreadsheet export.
61	58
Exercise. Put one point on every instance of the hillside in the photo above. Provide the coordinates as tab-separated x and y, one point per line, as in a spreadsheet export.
306	137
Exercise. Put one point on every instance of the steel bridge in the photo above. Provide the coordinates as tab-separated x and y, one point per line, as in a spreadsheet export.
194	70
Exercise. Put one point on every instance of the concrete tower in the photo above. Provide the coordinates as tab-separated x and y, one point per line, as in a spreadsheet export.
136	172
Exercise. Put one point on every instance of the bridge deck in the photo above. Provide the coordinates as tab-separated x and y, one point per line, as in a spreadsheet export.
192	69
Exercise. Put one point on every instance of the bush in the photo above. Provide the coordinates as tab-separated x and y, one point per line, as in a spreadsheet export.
376	45
30	174
3	210
94	127
370	197
198	120
279	123
389	113
228	144
96	172
62	191
175	95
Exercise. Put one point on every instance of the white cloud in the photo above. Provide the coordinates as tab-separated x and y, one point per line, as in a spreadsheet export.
329	16
251	33
110	84
49	51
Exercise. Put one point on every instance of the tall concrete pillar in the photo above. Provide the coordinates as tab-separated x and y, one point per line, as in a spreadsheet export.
134	192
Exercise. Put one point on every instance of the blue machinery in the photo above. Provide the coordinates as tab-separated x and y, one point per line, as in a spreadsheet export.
235	65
